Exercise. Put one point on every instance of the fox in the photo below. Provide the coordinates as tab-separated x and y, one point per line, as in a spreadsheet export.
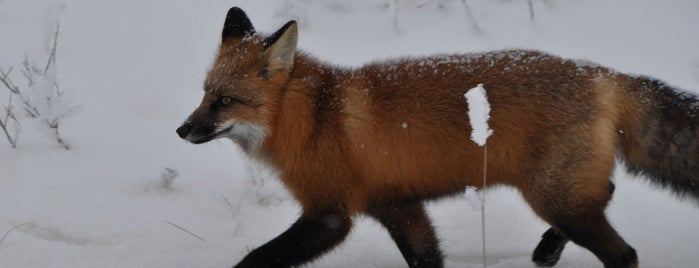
382	139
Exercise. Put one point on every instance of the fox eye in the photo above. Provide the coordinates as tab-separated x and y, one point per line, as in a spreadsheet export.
225	101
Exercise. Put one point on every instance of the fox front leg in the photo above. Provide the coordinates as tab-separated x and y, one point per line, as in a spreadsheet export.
308	238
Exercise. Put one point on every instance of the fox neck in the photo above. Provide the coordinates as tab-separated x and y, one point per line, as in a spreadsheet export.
308	112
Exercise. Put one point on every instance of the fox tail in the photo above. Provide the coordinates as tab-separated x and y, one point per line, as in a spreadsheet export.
660	136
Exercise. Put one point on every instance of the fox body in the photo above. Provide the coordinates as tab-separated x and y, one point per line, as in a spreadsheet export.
379	139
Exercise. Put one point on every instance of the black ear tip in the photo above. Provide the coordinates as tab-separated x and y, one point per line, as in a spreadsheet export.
274	37
237	24
288	24
235	12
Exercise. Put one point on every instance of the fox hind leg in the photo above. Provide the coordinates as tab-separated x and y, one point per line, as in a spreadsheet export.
591	230
575	209
549	250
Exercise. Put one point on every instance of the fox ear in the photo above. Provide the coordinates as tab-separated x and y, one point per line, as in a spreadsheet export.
237	24
280	48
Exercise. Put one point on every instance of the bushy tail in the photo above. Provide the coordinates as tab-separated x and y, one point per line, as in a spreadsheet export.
660	139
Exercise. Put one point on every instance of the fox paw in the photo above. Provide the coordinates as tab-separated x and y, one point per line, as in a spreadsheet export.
549	250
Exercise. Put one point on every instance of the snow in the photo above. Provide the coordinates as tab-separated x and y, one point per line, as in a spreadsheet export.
137	67
478	114
474	198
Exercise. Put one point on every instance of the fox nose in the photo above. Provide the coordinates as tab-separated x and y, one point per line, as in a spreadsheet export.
184	129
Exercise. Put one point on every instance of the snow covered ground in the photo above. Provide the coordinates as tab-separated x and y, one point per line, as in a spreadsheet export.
137	68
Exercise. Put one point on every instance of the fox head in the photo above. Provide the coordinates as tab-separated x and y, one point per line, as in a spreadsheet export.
242	88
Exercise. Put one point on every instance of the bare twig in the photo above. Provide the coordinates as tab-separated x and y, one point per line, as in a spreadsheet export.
27	71
52	56
12	141
4	123
229	204
14	228
485	177
39	102
396	26
531	10
53	125
185	230
4	78
8	110
471	17
59	93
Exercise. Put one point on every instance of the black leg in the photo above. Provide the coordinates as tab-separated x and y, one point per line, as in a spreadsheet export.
305	240
412	231
549	250
591	230
585	224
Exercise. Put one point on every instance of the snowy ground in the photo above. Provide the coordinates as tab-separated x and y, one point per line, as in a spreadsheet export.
137	68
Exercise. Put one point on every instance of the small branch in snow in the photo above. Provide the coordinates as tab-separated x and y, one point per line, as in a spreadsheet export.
4	124
42	98
14	228
167	177
531	10
4	78
53	125
485	177
478	114
185	230
472	18
234	209
52	56
7	135
9	114
396	26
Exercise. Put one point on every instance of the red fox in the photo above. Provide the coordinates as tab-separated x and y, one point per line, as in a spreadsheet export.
380	139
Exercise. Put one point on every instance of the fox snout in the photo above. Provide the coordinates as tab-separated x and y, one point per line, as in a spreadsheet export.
248	135
184	130
197	133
